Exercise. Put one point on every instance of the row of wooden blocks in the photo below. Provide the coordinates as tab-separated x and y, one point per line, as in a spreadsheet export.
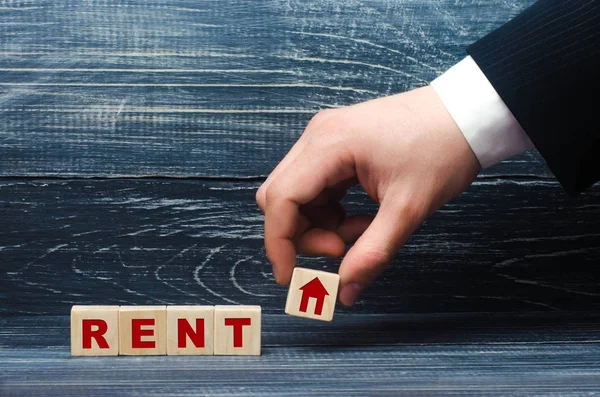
194	330
165	330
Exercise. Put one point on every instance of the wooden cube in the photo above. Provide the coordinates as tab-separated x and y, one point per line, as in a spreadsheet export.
142	330
237	330
95	330
312	294
190	330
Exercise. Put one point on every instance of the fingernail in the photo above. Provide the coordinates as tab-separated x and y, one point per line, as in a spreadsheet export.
349	293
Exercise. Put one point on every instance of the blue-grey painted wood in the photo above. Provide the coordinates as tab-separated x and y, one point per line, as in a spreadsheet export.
222	89
280	330
504	245
472	370
212	88
518	359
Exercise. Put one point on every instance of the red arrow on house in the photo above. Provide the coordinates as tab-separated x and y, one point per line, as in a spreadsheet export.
313	289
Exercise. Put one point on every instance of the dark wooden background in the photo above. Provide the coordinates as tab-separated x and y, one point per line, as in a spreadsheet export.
134	134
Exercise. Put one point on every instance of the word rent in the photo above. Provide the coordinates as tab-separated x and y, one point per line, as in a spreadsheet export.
165	330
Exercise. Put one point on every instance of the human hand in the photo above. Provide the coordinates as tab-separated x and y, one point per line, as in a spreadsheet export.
408	155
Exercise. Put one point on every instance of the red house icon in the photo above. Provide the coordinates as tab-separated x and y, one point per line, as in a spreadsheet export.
313	289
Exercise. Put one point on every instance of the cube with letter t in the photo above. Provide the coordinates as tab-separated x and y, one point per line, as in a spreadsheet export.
237	330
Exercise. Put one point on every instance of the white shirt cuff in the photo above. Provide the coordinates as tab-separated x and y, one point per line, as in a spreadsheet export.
486	122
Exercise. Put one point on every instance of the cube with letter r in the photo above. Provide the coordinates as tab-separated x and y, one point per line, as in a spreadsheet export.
95	330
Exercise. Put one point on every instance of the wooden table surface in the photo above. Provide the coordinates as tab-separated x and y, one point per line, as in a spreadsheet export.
133	136
472	354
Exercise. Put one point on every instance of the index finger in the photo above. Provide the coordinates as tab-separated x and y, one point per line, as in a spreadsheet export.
297	148
306	176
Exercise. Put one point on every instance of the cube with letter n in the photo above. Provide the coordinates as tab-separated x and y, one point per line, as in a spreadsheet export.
190	330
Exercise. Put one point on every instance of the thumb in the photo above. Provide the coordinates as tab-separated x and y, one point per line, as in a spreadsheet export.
370	255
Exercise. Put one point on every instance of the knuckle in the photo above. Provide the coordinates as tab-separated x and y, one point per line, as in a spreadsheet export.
332	131
319	117
411	211
375	259
333	125
407	209
272	194
260	195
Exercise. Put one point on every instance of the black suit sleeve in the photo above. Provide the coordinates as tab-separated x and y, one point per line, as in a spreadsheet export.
545	65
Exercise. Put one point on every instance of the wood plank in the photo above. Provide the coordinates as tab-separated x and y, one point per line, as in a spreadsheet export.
518	365
504	245
522	370
405	329
222	88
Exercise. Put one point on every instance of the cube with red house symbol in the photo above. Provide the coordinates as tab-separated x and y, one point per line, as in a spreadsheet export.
312	294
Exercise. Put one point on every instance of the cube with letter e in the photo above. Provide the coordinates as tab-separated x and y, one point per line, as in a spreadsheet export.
142	330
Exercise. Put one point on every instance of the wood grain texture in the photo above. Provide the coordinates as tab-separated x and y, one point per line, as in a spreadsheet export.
465	355
217	92
280	330
147	339
504	245
102	336
302	302
198	333
216	88
238	330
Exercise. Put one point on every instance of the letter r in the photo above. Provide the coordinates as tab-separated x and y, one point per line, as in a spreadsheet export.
94	329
